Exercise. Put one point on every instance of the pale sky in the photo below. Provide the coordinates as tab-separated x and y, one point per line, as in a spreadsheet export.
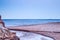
30	9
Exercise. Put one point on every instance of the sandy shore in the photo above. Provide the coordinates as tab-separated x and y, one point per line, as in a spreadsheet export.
48	29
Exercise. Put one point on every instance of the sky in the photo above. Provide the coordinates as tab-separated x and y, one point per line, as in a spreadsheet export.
30	9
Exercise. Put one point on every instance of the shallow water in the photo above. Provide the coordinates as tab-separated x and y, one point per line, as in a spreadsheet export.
31	36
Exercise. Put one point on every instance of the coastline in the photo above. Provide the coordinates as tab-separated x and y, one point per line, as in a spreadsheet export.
36	24
51	27
48	29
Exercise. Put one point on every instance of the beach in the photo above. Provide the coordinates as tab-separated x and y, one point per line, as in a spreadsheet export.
47	28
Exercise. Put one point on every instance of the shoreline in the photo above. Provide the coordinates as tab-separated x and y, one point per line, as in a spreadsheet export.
51	27
48	29
39	24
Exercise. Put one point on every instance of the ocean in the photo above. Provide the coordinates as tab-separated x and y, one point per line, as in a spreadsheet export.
28	35
14	22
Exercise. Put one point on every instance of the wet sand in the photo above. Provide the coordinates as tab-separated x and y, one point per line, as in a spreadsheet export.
48	29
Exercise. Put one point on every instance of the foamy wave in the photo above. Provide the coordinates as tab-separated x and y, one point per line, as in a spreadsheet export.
31	36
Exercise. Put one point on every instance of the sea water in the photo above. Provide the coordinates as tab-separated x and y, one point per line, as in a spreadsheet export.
14	22
29	35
